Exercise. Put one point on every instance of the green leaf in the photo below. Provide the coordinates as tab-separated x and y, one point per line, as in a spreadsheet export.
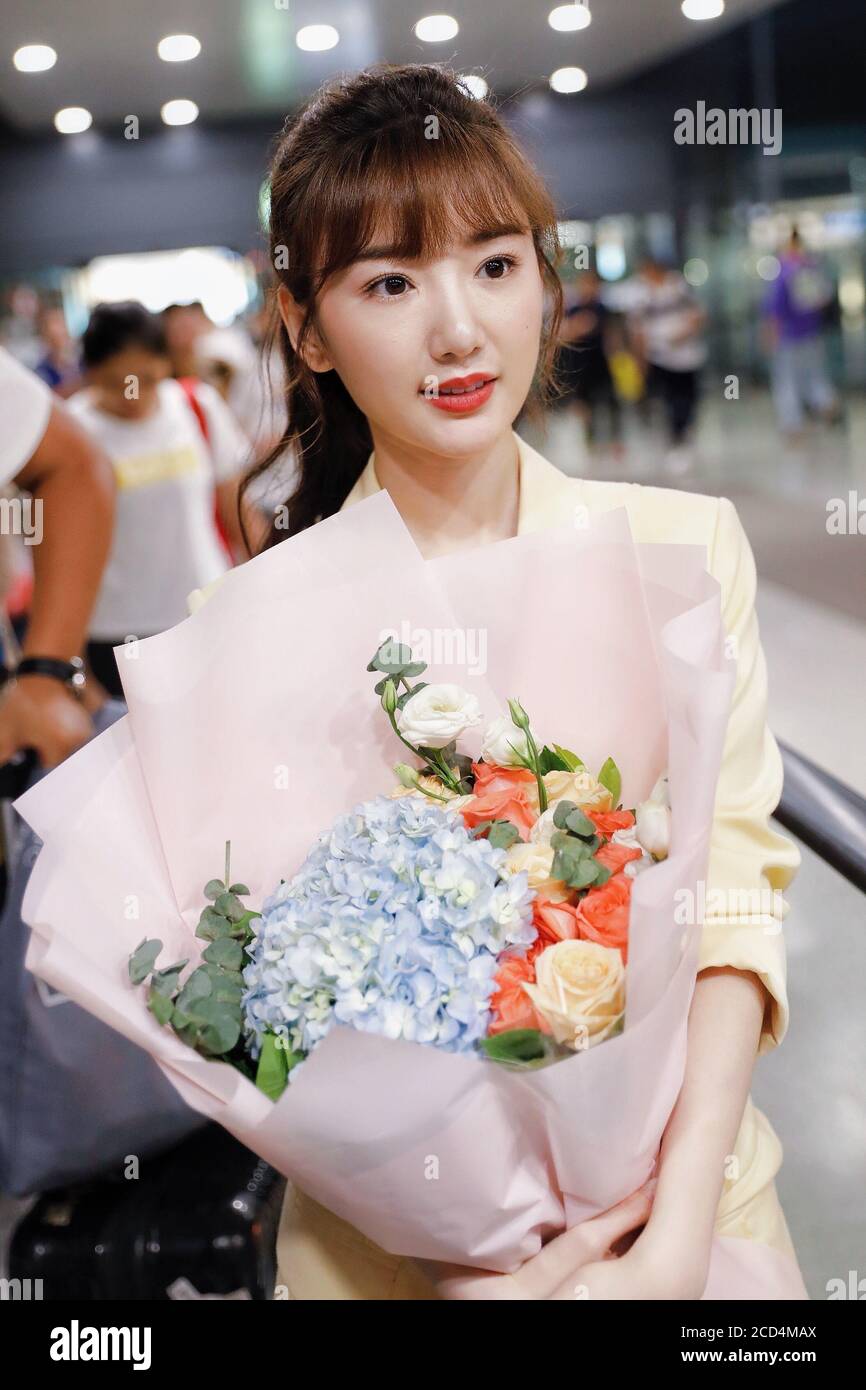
610	777
214	887
272	1071
407	694
502	834
225	952
160	1005
580	824
221	1030
578	874
166	981
571	760
143	959
212	924
241	889
198	987
515	1045
562	811
230	906
550	761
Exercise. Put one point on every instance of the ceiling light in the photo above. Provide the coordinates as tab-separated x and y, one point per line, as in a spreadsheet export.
72	120
34	57
474	84
436	28
315	38
702	9
568	18
568	80
180	112
178	48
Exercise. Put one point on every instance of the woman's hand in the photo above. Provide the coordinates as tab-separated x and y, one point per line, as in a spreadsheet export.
655	1267
559	1265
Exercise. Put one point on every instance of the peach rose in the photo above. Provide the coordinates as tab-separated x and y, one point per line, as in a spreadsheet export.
608	822
580	989
502	793
511	1005
615	856
602	916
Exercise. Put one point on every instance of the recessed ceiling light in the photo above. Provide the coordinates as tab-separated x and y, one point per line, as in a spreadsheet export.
702	9
72	120
34	57
179	112
568	18
178	48
568	80
474	84
315	38
436	28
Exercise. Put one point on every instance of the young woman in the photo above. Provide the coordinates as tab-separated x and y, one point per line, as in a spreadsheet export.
171	449
413	244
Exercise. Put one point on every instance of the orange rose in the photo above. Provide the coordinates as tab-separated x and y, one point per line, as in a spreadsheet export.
554	921
615	856
502	793
512	1005
606	822
602	916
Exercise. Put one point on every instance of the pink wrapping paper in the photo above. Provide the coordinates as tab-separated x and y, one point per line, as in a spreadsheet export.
255	720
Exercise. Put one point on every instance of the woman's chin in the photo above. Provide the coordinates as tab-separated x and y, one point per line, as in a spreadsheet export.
453	434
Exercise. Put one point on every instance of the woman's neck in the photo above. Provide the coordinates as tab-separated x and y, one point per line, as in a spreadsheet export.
452	503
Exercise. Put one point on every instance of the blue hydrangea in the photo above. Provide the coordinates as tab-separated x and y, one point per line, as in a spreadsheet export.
393	925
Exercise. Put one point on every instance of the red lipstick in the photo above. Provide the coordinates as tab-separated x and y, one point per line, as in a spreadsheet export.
460	394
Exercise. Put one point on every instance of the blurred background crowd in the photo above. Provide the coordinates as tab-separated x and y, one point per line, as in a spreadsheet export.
714	337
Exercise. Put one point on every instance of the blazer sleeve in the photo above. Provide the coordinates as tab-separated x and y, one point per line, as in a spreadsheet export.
750	862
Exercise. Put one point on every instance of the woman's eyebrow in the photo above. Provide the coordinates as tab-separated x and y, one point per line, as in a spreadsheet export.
392	252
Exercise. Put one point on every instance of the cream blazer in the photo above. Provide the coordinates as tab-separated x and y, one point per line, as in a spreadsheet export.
322	1257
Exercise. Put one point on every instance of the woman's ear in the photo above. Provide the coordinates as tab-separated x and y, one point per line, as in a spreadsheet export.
292	316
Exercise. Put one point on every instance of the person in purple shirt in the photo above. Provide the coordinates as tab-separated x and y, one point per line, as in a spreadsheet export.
794	317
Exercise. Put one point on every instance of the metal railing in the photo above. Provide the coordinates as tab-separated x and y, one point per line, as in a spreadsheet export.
825	814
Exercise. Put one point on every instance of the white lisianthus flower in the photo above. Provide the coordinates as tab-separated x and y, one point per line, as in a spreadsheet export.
653	827
662	791
498	737
437	714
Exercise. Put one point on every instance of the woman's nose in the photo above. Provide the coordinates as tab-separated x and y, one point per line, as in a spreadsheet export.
455	331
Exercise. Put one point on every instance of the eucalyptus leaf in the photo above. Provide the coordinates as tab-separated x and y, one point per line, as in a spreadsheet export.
230	906
166	981
214	887
220	1034
212	924
562	811
226	952
240	889
160	1005
502	834
580	824
143	959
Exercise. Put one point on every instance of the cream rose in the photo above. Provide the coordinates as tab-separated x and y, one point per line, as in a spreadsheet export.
437	714
580	991
498	737
580	787
536	860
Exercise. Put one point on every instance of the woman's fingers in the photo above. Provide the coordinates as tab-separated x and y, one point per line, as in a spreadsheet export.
588	1240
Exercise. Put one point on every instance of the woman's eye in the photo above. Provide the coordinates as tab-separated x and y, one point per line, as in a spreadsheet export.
389	287
499	266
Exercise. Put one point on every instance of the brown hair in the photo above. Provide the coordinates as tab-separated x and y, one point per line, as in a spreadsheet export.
407	151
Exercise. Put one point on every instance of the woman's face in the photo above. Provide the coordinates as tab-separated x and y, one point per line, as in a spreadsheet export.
404	337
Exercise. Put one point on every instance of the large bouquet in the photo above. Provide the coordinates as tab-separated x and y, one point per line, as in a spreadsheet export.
382	1031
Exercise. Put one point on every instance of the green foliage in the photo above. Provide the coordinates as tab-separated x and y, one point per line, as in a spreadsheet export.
523	1049
610	777
501	833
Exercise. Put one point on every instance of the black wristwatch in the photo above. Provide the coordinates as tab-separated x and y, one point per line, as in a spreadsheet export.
70	673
